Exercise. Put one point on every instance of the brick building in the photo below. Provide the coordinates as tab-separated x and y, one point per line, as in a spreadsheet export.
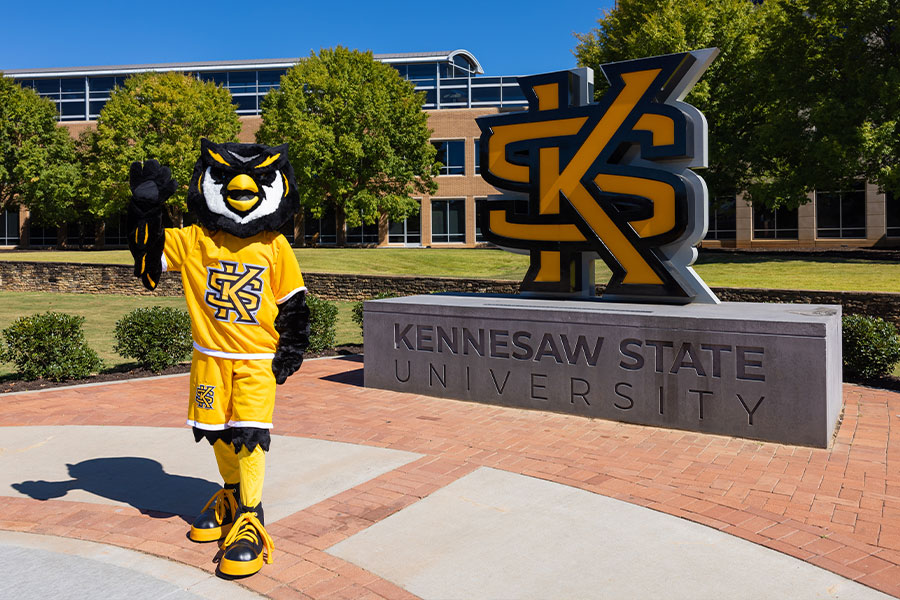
457	91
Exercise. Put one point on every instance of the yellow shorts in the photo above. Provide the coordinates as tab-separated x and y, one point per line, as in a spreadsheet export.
230	393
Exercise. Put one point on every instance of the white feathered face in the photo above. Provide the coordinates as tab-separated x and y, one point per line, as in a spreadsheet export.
243	188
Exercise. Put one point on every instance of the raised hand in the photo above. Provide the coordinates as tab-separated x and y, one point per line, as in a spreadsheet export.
151	185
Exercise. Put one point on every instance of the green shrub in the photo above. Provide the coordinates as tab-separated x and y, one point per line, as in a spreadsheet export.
322	324
155	337
49	345
358	307
871	346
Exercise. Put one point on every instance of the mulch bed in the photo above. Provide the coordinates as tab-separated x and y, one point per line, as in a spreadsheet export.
10	384
888	382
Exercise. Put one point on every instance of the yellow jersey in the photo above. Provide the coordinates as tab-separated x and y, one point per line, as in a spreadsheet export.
233	287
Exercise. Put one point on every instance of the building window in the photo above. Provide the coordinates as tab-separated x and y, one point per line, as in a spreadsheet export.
407	232
100	89
69	94
116	232
448	221
497	91
892	214
477	156
841	214
452	155
321	231
9	228
777	224
39	235
455	97
424	73
367	233
479	203
79	234
722	218
270	80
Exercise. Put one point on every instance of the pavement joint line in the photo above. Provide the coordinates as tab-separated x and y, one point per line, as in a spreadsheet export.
132	379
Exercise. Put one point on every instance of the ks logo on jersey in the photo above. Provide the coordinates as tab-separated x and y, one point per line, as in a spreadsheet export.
235	293
206	396
606	180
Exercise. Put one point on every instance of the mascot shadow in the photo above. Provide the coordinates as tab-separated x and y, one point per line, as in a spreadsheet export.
139	482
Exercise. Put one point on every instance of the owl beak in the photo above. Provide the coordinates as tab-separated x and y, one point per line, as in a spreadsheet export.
243	194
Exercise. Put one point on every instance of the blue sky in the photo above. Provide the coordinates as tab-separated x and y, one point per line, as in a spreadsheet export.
522	37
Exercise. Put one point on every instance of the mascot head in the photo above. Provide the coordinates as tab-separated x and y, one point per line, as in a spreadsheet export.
243	189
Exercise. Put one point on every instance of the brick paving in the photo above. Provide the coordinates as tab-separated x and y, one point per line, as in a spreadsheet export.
837	508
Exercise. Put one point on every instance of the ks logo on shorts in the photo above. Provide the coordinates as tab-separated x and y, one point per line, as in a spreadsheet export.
235	293
206	396
607	179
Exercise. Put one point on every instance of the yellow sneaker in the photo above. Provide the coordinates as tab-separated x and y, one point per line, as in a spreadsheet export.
244	547
217	517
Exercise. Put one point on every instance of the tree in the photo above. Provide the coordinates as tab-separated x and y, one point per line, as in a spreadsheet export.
359	140
38	167
835	72
805	95
725	93
154	115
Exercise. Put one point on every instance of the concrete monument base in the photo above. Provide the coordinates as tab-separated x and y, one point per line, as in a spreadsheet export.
763	371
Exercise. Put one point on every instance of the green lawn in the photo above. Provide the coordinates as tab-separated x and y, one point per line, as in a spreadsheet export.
458	262
718	270
808	273
101	312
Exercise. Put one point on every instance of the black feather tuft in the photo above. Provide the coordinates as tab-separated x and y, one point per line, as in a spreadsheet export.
250	438
212	436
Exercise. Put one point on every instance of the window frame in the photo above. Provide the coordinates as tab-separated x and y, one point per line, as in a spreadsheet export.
445	169
842	231
446	214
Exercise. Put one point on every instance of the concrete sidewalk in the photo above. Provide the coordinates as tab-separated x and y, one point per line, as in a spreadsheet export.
376	494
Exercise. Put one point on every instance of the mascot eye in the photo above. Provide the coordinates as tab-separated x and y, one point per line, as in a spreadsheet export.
218	175
267	178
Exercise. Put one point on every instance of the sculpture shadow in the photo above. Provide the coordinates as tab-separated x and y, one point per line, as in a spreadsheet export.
138	482
354	378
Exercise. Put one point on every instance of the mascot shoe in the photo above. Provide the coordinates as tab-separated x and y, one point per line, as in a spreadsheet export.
244	547
217	517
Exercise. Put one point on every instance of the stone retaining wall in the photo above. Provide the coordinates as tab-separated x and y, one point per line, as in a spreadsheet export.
118	279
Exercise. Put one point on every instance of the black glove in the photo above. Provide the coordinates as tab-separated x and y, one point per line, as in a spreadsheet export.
292	325
151	185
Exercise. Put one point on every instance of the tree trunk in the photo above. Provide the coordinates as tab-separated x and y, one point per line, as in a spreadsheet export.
299	229
341	221
62	236
24	228
99	235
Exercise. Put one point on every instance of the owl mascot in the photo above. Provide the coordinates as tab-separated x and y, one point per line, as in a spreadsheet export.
249	318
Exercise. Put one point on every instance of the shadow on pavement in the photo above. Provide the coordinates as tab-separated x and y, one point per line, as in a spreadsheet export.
138	482
354	377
